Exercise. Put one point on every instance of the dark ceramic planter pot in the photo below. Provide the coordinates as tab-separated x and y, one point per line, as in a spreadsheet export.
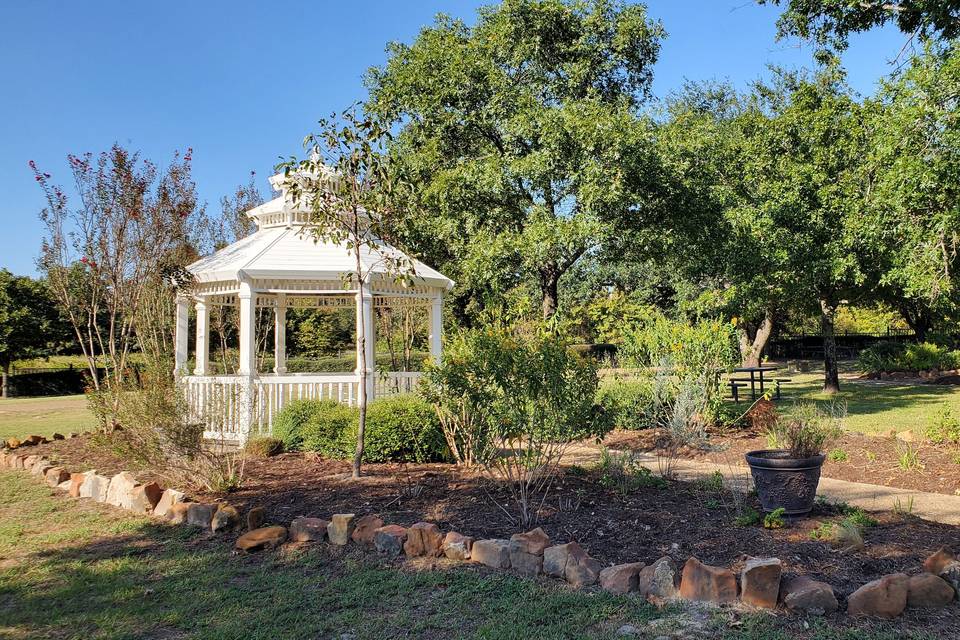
785	482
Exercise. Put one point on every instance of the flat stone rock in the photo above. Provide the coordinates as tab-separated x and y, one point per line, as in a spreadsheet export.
226	518
528	564
40	467
168	498
493	553
927	591
365	529
938	561
340	528
121	488
95	486
178	512
803	594
56	475
532	542
76	479
423	539
703	583
256	518
201	515
144	498
581	569
456	546
262	538
951	573
34	440
308	530
389	540
659	580
885	597
760	582
555	559
621	578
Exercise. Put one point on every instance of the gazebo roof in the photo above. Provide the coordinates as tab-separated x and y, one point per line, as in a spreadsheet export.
284	248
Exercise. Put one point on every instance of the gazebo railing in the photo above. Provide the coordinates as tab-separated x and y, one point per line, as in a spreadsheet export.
219	401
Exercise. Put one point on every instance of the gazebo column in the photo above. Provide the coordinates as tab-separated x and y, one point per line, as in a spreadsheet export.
248	357
181	336
280	335
436	327
366	338
203	338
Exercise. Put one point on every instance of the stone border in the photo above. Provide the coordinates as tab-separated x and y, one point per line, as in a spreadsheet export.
760	583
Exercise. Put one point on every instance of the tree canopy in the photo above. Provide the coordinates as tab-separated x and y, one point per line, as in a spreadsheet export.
523	136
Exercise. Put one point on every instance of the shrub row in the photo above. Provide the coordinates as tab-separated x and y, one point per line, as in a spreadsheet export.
899	356
402	428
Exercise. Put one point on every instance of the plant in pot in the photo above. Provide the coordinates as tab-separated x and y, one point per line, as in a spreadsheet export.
786	475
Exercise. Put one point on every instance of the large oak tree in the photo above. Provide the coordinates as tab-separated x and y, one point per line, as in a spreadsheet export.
523	136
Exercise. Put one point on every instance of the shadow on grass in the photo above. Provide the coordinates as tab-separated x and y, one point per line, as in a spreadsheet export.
161	582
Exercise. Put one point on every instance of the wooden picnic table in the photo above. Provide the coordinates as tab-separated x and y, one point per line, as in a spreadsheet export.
756	375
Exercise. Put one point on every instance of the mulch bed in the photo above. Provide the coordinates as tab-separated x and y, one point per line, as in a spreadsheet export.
679	520
870	459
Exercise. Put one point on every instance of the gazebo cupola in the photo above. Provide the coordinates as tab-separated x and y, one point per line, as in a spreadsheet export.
282	266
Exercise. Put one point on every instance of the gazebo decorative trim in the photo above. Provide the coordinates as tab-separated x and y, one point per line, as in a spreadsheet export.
282	266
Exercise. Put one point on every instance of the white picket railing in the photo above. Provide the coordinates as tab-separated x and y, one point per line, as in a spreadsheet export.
219	401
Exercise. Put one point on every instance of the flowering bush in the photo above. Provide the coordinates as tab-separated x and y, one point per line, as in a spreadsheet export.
690	354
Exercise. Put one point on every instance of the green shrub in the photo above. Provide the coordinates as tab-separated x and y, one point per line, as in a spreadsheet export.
775	519
512	400
628	404
263	447
838	455
401	428
289	422
943	427
894	356
326	430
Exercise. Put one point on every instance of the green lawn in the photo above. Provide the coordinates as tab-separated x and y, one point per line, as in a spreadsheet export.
74	569
878	407
44	416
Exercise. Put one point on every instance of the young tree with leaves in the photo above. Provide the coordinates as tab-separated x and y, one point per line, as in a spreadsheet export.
523	136
348	184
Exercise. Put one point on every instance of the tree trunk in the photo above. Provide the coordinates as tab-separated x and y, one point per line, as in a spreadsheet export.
831	374
363	333
6	379
753	340
549	283
919	321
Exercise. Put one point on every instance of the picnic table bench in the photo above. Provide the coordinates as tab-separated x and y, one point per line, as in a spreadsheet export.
756	379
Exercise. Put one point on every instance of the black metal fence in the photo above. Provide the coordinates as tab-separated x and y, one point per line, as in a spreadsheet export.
849	344
48	381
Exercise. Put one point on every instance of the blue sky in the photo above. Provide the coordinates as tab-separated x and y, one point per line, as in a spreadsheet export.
242	82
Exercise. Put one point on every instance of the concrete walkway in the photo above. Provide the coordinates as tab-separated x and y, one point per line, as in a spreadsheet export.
937	507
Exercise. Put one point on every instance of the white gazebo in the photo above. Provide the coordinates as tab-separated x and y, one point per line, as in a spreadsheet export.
282	266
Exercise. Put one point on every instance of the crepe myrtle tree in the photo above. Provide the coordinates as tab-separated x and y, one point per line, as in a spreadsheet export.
523	135
104	252
349	186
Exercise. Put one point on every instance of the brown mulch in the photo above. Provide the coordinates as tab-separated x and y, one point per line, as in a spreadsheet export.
90	452
870	459
679	520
